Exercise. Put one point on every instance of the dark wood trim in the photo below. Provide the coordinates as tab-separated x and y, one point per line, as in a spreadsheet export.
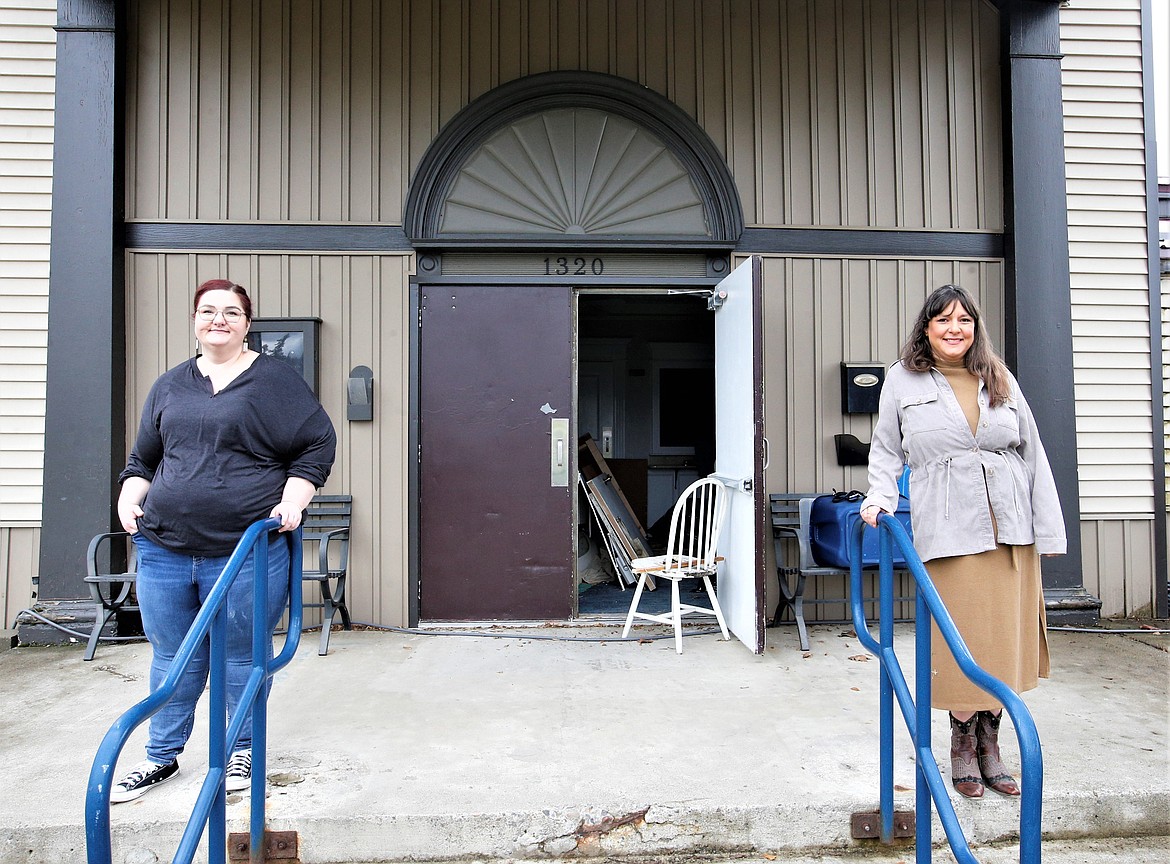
413	481
871	243
85	372
392	239
679	282
268	237
1038	303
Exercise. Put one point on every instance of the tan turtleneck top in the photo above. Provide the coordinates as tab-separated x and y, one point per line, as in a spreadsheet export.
966	387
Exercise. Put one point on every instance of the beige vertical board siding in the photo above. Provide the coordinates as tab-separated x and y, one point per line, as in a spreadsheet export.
19	553
362	301
1119	565
1106	169
818	313
883	114
27	57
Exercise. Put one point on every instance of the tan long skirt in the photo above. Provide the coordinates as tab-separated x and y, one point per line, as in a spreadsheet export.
996	599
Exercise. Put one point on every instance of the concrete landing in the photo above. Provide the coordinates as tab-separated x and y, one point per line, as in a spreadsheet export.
563	742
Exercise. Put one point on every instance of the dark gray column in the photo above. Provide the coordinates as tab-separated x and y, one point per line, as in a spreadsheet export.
84	414
1038	305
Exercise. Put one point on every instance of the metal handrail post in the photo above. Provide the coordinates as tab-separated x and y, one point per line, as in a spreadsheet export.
261	644
886	696
916	713
211	804
216	728
922	664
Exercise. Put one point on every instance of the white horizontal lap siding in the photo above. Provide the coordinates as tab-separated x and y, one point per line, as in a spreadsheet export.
1104	136
27	59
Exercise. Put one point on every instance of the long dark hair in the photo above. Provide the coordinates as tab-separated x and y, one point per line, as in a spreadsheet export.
224	285
980	359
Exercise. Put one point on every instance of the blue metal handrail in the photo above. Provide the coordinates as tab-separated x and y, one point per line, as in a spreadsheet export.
916	711
210	809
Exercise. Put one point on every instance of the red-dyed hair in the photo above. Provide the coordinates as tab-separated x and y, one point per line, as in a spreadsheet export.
224	285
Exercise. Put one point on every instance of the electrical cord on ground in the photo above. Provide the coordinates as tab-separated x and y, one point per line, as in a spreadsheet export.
415	631
548	637
84	637
1153	631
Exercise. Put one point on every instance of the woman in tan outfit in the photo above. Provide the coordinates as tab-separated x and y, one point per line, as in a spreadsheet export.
984	509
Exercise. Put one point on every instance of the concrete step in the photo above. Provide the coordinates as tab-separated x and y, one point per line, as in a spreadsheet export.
1127	850
550	742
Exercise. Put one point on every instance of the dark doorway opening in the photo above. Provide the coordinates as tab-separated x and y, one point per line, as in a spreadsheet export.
646	395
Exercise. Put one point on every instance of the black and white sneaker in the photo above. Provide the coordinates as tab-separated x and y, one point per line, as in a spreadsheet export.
239	771
142	778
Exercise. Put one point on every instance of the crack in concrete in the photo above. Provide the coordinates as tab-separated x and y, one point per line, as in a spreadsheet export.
588	835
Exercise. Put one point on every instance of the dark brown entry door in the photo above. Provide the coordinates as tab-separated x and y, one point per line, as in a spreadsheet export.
495	406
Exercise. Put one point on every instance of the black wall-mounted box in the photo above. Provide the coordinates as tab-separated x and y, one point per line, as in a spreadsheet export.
861	386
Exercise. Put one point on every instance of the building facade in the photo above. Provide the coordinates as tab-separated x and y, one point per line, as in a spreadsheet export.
514	214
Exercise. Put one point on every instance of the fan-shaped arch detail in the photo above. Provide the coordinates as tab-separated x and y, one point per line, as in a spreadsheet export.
572	158
573	171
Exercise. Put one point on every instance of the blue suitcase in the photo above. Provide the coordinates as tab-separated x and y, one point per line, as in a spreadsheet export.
831	525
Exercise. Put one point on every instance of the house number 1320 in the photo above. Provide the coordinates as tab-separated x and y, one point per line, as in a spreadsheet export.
563	266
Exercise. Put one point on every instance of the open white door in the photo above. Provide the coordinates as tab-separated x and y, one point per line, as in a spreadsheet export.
739	449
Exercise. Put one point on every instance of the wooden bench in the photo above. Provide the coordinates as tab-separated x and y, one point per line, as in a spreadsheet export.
325	526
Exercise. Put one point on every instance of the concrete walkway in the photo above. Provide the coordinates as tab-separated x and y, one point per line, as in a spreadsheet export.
402	747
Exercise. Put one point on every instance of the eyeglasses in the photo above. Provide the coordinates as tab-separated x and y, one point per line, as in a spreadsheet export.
208	313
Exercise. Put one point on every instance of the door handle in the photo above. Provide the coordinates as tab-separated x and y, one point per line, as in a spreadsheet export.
558	457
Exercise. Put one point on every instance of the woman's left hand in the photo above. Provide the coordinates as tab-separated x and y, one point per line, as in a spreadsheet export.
289	515
870	514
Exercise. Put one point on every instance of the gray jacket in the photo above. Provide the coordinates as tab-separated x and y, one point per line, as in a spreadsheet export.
953	474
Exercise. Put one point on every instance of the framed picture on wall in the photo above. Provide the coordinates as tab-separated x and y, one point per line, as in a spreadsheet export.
292	341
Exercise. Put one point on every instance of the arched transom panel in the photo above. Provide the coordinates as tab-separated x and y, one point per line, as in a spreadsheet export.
573	171
573	159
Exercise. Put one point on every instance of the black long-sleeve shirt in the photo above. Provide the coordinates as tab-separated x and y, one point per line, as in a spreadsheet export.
217	462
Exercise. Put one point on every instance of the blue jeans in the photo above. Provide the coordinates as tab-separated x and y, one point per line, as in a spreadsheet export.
171	589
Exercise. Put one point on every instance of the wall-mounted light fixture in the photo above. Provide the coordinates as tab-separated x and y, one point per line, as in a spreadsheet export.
359	394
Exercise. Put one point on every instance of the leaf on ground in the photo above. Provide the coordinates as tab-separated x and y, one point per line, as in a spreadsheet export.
860	658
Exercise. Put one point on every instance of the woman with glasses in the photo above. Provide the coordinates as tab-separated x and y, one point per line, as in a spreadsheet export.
984	508
227	438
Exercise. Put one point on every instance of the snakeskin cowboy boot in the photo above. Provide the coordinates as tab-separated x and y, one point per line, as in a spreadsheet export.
991	767
964	759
